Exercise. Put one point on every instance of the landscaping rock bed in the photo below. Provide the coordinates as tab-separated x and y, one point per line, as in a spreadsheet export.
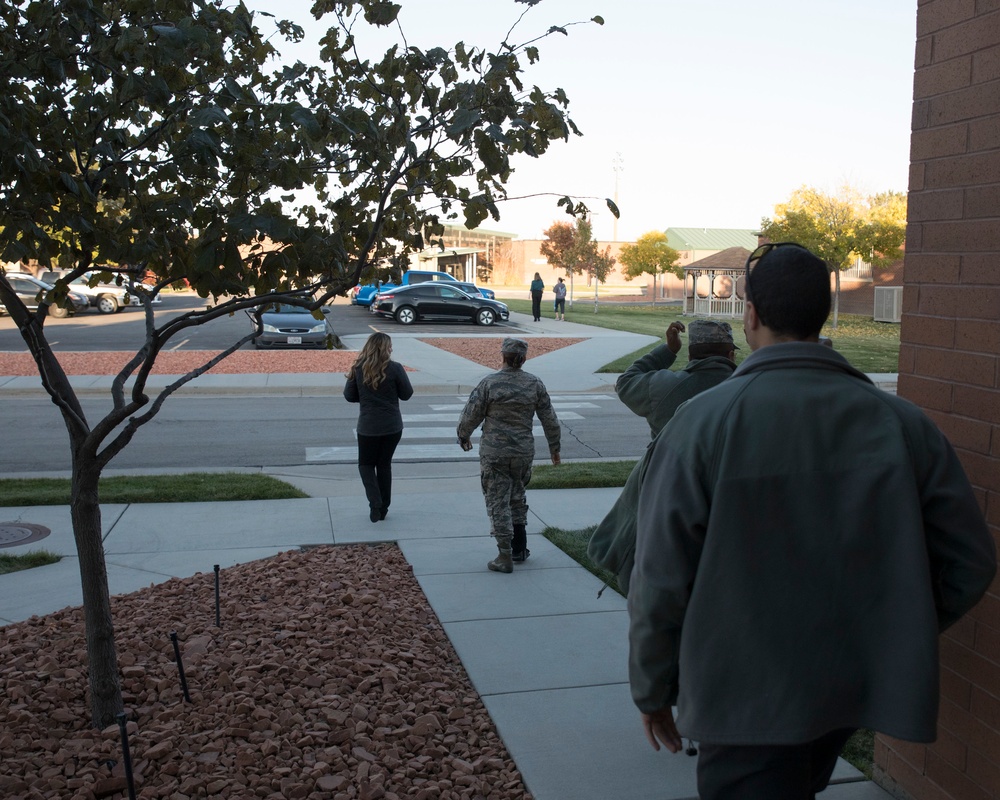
330	677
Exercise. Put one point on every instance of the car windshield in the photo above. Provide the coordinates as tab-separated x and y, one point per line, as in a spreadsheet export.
286	308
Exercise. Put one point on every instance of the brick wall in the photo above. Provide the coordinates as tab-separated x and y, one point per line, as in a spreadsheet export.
949	362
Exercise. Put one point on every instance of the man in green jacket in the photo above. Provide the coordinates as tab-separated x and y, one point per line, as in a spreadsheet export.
652	390
802	539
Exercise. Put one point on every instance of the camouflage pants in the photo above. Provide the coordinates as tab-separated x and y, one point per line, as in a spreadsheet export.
504	481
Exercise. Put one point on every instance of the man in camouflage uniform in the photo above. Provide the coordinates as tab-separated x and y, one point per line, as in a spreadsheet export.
505	403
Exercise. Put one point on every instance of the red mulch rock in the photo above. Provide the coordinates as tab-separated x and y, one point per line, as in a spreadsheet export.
261	362
298	695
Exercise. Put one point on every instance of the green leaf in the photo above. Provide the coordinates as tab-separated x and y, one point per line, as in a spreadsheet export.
598	19
382	13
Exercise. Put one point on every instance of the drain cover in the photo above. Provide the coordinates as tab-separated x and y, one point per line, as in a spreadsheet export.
17	533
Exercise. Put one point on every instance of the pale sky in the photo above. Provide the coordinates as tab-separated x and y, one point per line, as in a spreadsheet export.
718	109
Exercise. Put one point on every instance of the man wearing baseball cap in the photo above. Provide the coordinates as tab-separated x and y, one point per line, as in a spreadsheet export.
653	391
505	404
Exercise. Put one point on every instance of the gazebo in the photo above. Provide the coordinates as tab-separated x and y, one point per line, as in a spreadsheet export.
713	286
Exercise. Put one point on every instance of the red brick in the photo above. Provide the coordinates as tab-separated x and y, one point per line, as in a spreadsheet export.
956	688
995	446
962	236
935	16
961	104
980	268
946	76
983	772
963	433
917	181
924	53
881	758
913	754
984	133
926	393
981	201
911	781
939	142
972	169
977	336
960	635
972	401
981	303
951	749
932	331
967	368
968	37
983	474
939	301
942	204
920	116
907	354
933	268
986	65
988	644
986	707
969	728
953	781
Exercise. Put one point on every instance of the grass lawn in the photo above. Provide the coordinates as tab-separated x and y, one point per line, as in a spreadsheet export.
869	346
192	487
36	558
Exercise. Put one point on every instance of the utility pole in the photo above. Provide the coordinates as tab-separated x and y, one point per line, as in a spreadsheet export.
618	165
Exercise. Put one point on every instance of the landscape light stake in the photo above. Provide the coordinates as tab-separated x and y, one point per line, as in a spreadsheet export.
180	666
218	623
126	757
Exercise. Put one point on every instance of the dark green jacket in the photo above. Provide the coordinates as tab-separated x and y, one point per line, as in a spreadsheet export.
803	537
651	390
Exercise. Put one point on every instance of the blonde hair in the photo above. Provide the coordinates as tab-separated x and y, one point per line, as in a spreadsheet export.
373	360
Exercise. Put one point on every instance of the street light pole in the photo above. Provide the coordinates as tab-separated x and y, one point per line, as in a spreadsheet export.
618	165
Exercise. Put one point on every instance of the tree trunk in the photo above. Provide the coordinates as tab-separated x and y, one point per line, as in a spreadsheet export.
836	300
102	654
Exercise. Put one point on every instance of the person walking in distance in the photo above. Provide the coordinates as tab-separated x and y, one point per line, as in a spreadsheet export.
505	404
560	302
537	287
803	537
377	384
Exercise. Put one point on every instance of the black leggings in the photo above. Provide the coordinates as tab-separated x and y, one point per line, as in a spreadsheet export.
375	465
536	305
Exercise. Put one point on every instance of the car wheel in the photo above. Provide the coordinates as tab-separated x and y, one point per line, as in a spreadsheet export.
107	304
406	315
486	316
58	313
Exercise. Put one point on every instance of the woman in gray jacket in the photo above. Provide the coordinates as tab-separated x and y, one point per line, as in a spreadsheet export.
378	384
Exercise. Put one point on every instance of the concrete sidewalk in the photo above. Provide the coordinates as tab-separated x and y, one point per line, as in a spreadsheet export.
548	657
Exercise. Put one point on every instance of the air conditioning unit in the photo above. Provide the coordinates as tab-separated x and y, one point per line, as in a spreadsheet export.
888	303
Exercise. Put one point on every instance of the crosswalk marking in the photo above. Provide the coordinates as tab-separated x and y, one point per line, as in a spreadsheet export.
404	452
415	447
556	406
407	418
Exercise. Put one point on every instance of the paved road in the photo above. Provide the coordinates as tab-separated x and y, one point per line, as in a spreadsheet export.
91	331
253	431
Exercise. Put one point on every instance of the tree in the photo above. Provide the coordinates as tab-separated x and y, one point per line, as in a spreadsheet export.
650	255
841	228
572	248
154	137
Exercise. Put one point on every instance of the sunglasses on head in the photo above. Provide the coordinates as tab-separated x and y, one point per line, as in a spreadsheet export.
754	258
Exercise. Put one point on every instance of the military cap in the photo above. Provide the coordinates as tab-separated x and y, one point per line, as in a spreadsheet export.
517	347
708	331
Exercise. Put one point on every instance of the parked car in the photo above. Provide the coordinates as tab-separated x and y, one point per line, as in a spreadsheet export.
471	288
292	326
107	298
30	289
364	295
438	301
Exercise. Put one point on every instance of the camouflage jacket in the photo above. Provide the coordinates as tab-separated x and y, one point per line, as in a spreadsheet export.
505	404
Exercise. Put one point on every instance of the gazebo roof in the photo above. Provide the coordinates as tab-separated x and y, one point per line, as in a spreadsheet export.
734	258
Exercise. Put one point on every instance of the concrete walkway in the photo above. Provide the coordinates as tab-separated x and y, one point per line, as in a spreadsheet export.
545	653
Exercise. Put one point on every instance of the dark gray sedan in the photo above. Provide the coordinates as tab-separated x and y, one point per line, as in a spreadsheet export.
437	301
291	326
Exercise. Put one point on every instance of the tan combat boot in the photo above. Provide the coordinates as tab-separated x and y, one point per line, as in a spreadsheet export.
503	562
